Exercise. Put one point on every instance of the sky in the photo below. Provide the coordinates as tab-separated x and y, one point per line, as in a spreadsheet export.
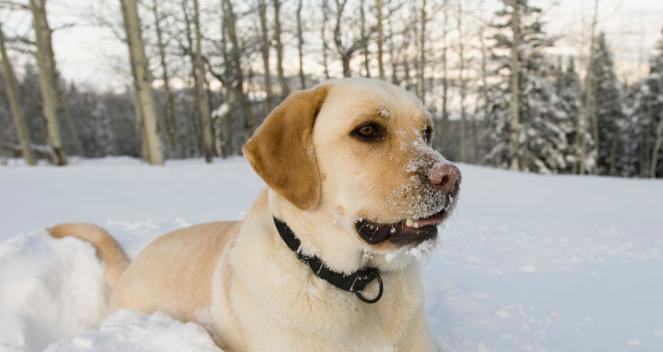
632	28
92	56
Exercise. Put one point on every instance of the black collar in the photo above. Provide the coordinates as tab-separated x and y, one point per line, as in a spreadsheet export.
354	282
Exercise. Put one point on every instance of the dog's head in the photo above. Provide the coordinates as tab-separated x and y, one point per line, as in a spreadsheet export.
358	151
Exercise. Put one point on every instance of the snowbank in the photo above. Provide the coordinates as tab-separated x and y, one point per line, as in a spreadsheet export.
48	289
129	331
527	263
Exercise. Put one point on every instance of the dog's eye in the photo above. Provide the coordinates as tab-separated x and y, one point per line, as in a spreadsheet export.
369	132
427	134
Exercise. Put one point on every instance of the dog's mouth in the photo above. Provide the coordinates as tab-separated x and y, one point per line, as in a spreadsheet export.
404	232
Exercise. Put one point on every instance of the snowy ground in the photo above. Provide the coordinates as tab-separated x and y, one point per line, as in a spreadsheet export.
528	263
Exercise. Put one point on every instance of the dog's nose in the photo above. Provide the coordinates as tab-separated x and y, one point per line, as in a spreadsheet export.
445	177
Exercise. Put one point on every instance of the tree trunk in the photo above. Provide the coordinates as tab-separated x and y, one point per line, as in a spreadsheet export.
364	37
345	62
201	91
170	121
461	80
657	147
588	114
143	80
11	88
421	78
515	88
264	48
393	61
47	79
195	123
138	109
323	35
444	126
237	75
344	53
285	90
484	88
405	52
379	29
300	44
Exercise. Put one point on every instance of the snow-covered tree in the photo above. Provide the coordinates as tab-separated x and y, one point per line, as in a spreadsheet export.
644	117
541	126
632	134
654	117
570	92
609	113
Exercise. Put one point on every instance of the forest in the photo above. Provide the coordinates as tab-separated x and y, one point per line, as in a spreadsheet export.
201	75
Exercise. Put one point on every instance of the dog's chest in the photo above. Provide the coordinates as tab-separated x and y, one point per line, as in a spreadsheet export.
281	306
322	318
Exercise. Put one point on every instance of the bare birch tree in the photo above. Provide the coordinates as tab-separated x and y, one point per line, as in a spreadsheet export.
514	131
47	79
188	48
142	81
169	109
443	129
264	50
278	43
11	89
484	85
233	63
364	45
201	90
300	44
346	51
421	71
461	80
393	55
379	41
323	35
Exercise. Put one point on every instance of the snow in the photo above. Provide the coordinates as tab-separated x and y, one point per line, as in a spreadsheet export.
383	111
221	111
527	262
48	289
129	331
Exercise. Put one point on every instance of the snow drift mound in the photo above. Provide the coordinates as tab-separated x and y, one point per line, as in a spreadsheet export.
48	289
129	331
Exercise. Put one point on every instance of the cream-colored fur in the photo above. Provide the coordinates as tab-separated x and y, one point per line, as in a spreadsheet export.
240	281
110	253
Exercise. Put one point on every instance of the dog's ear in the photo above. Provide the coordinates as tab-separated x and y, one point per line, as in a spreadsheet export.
281	149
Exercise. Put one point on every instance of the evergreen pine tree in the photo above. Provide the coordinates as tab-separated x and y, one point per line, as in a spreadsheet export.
632	133
644	109
544	125
609	112
570	92
652	116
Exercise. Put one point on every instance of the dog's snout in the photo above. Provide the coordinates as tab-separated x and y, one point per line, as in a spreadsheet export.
445	177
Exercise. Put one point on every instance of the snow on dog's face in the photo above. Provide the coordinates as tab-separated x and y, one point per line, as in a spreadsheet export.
357	151
372	145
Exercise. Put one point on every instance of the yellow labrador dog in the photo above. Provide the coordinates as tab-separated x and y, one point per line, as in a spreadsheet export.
324	261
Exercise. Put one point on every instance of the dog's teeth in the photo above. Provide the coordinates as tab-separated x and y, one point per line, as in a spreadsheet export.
409	222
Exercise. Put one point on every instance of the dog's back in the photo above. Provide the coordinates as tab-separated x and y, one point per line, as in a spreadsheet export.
174	273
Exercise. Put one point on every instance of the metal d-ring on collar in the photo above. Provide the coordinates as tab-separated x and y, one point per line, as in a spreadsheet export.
354	282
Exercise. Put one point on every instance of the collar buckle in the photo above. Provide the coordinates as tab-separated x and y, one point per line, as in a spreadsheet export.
362	280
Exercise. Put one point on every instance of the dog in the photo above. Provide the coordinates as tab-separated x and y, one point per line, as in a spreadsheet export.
326	258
